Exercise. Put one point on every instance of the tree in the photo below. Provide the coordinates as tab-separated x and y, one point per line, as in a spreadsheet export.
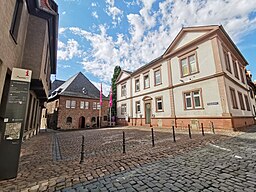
117	71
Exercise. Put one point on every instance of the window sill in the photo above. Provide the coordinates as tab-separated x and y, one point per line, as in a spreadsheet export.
189	74
194	109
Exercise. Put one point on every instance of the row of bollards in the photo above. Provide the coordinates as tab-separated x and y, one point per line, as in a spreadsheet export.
153	138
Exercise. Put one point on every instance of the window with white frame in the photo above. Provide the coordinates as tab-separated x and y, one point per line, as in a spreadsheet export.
157	75
68	103
94	105
123	90
137	106
146	81
73	104
98	105
86	106
123	109
188	65
137	85
193	99
159	104
81	104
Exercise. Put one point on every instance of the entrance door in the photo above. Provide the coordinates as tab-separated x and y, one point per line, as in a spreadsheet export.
148	113
82	122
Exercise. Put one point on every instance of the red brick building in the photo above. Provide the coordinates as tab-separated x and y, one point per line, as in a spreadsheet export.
75	104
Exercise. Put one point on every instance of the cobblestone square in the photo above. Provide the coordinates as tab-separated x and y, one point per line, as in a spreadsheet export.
50	161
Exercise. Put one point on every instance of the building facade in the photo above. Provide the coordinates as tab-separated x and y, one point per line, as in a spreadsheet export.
28	37
199	79
76	104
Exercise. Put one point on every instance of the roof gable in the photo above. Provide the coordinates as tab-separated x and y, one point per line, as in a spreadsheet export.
77	86
123	75
188	35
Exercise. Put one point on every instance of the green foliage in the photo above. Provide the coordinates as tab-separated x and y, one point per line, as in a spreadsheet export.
117	71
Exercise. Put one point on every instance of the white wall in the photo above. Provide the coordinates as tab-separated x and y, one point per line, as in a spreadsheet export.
206	65
237	112
188	37
166	104
165	82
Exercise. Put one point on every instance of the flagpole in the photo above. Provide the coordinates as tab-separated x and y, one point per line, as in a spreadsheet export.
110	117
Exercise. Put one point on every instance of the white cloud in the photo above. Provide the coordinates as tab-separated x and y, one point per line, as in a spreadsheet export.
94	14
114	12
62	30
64	12
94	4
69	50
151	32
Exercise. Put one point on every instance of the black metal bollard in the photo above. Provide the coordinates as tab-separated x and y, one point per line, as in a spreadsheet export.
202	126
213	128
82	151
153	139
189	131
124	142
173	134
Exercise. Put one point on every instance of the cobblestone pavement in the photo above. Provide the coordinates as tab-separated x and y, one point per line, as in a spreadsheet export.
50	162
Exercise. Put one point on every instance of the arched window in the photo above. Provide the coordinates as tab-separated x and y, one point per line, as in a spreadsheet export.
93	119
69	120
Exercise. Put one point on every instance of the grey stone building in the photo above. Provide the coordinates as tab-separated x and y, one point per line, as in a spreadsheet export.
28	40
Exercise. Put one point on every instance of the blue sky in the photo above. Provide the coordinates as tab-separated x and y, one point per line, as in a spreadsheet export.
95	36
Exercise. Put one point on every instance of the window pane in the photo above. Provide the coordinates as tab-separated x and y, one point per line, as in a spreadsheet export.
192	63
82	105
188	102
184	66
137	84
146	81
86	105
158	77
67	103
94	105
159	105
73	104
98	105
197	101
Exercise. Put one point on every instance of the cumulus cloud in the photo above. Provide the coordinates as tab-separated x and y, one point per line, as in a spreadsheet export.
151	31
68	51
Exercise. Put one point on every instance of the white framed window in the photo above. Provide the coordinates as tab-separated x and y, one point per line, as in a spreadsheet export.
188	65
193	99
137	85
73	104
94	105
157	75
123	90
159	104
81	104
146	81
86	106
137	106
68	103
98	105
123	109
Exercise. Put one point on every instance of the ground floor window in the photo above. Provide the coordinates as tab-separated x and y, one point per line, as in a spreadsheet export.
69	120
193	99
123	109
159	104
